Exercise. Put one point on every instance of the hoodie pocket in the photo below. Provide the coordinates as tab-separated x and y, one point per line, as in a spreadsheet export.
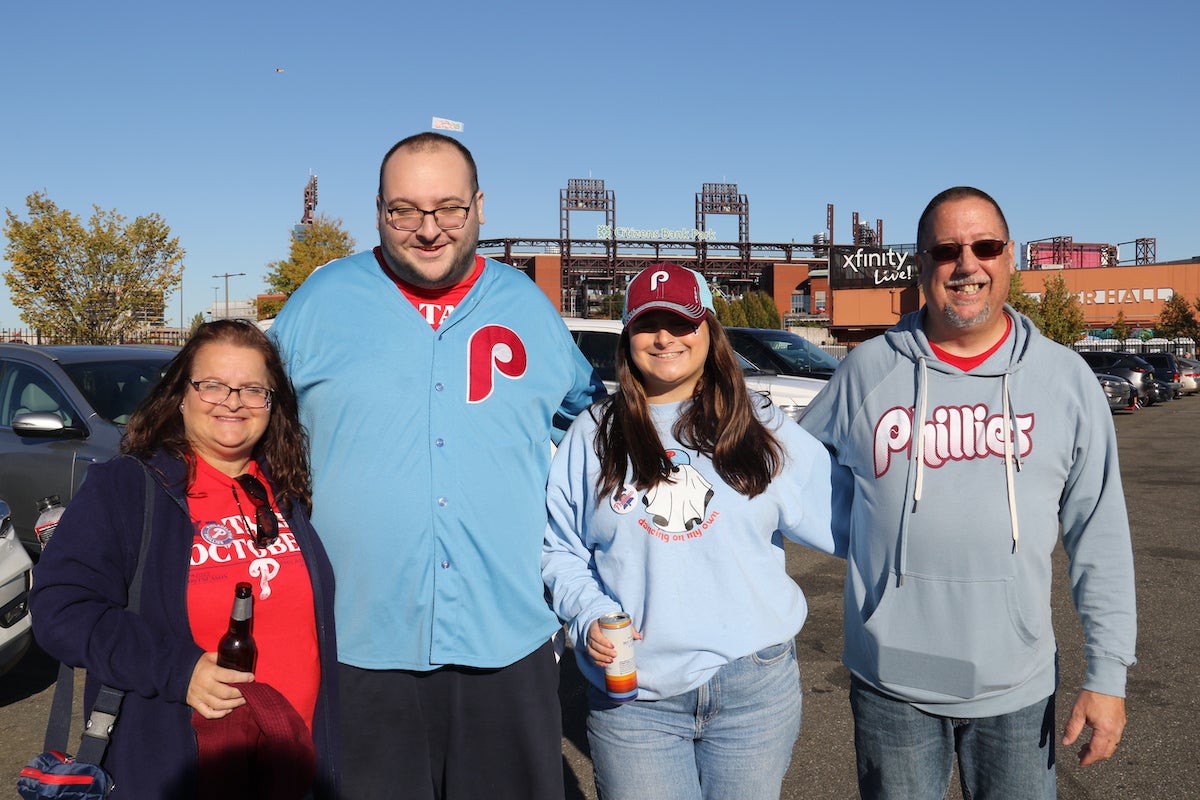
951	638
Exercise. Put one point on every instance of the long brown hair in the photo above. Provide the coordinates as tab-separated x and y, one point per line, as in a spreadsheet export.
156	423
720	423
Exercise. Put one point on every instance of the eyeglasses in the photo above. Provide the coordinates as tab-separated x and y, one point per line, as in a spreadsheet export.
216	393
265	523
950	251
448	218
676	326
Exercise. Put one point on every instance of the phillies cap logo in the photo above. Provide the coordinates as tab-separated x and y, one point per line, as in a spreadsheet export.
668	287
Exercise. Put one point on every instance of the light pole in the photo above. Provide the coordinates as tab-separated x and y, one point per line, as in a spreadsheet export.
227	276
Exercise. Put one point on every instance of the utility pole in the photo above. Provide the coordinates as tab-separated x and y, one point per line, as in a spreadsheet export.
227	276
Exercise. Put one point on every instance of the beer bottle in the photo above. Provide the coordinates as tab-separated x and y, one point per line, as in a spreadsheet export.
237	649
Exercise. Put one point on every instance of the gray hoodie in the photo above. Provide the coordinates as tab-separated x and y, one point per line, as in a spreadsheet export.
947	597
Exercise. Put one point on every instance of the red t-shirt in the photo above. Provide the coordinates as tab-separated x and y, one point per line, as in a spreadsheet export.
434	305
223	553
968	363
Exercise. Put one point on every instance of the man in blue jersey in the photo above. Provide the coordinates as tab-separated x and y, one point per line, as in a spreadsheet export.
428	379
958	469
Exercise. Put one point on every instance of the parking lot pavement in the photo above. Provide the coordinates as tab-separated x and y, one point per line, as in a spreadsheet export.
1157	757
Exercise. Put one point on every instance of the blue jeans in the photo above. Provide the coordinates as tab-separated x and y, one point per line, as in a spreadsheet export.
906	754
730	738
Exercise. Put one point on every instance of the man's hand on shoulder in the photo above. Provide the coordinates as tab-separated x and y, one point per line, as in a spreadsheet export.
1105	715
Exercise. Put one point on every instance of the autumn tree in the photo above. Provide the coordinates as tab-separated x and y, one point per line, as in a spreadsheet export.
312	246
1120	328
1060	312
1021	300
86	284
1177	319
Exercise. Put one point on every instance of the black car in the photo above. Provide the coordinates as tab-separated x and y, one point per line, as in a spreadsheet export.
1166	370
61	409
783	352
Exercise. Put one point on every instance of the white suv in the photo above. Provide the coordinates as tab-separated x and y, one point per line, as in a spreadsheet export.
597	340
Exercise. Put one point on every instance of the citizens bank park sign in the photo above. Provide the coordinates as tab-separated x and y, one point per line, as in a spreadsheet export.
870	268
655	234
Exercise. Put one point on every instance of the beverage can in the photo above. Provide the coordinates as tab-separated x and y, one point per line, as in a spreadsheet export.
620	677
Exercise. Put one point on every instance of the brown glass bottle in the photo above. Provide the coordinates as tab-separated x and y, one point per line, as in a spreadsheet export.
237	649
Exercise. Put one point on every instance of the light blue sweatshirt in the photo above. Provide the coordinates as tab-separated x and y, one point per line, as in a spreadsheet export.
699	567
947	599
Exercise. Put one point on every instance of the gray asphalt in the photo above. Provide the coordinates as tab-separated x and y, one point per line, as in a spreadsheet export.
1160	463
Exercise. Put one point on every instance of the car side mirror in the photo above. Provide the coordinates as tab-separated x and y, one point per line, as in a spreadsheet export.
43	424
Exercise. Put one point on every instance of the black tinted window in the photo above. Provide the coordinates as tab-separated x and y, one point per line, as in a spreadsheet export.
114	388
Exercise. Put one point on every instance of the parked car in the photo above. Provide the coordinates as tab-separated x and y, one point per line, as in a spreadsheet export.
1166	370
597	340
1129	366
16	632
1159	391
1189	375
61	409
1120	393
782	351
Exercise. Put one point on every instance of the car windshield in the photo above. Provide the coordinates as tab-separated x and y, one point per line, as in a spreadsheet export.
797	351
115	387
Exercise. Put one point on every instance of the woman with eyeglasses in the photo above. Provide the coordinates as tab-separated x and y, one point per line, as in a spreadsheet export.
220	442
669	502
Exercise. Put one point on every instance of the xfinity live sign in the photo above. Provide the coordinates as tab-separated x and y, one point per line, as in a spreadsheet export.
870	268
656	234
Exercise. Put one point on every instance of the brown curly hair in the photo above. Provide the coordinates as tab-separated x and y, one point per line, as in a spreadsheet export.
156	423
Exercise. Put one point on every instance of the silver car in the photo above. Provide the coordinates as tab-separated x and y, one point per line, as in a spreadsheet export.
16	632
63	408
597	340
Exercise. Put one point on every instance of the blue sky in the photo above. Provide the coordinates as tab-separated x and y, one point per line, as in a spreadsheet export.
1079	117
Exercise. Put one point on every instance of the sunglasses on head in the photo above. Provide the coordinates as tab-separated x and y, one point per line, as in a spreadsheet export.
950	251
264	517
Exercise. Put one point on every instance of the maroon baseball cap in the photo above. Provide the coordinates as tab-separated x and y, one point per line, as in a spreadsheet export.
668	287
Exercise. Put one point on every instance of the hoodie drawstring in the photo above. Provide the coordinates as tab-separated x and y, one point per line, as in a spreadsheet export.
916	465
1009	429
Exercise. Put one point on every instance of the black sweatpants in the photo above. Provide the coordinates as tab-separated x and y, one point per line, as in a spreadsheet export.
455	733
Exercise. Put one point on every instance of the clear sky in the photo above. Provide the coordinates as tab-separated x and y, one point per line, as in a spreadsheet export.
1080	118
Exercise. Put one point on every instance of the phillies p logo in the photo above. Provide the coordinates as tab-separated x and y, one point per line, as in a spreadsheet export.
492	349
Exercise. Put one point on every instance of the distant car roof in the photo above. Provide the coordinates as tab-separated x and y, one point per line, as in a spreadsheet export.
84	353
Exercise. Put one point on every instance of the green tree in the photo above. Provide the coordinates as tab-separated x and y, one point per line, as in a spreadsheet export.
1021	300
1120	328
761	311
730	314
86	284
312	246
1061	314
1177	319
197	321
611	306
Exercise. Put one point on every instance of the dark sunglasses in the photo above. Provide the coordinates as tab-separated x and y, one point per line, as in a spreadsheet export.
264	516
950	251
676	326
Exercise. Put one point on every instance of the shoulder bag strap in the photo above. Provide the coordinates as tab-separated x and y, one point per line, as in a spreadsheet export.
99	726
